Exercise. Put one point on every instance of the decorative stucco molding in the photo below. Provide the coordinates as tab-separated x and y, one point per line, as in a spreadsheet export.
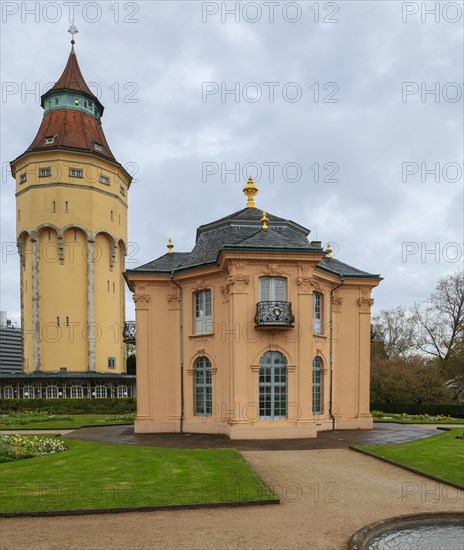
173	298
143	298
365	301
306	285
225	291
237	283
199	285
337	302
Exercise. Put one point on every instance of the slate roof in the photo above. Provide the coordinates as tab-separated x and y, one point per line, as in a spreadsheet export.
242	230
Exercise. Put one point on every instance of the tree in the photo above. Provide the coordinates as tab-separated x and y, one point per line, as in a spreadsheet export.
392	330
130	359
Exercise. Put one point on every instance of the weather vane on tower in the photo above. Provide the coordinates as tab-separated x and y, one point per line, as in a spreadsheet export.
73	30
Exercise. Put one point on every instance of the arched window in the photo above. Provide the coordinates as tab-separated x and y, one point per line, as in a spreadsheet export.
273	385
122	391
100	392
52	392
203	388
76	392
8	392
28	392
317	385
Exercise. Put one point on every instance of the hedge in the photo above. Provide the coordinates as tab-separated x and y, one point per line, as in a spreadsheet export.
455	411
70	406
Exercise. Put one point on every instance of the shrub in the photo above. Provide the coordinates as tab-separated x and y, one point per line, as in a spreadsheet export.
69	406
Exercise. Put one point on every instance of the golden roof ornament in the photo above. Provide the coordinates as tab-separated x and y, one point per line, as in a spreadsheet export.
250	191
169	246
328	249
264	220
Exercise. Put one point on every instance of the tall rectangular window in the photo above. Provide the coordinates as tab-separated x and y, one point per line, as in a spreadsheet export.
203	387
317	313
272	289
202	306
23	178
111	362
317	386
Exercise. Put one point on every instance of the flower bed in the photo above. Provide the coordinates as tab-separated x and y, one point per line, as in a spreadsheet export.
380	416
16	447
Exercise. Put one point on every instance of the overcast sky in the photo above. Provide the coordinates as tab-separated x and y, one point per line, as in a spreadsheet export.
321	113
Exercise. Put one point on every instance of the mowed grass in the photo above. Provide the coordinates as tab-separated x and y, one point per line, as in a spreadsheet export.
441	455
96	475
39	421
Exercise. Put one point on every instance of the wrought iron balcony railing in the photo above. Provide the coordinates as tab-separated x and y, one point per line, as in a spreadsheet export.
129	332
274	314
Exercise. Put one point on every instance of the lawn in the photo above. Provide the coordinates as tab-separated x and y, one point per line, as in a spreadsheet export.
95	475
441	455
40	420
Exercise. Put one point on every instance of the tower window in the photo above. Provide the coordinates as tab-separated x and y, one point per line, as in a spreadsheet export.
77	101
66	207
111	215
104	179
122	190
67	321
98	146
45	172
114	288
75	172
57	321
108	286
53	207
50	139
23	178
57	100
75	234
111	362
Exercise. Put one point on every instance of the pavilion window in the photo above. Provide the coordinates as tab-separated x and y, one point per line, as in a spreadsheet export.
317	386
202	307
317	313
273	384
272	289
203	388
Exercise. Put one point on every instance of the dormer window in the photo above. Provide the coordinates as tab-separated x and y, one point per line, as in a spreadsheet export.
77	101
23	178
45	172
98	147
104	179
57	100
75	173
50	139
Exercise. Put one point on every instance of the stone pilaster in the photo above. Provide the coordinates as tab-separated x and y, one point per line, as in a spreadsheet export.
91	304
35	303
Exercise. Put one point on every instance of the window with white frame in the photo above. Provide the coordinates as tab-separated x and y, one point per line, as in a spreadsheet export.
317	313
104	179
8	392
202	308
28	392
76	392
52	392
273	386
45	172
75	172
111	362
203	388
317	385
23	178
121	391
272	289
100	392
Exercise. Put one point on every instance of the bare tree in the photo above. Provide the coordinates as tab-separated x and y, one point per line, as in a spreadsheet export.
439	320
393	330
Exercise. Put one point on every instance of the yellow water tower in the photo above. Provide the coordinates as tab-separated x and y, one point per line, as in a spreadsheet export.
71	212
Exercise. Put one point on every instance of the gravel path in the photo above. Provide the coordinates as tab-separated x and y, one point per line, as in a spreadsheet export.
326	496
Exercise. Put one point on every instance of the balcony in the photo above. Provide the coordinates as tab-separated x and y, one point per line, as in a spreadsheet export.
274	315
129	332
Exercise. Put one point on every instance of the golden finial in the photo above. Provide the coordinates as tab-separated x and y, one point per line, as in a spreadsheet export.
328	250
250	191
169	246
264	220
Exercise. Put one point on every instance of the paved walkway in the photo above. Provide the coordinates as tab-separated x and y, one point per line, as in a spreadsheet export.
383	433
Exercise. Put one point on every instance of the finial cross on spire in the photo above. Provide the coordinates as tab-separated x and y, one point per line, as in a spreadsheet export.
73	30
